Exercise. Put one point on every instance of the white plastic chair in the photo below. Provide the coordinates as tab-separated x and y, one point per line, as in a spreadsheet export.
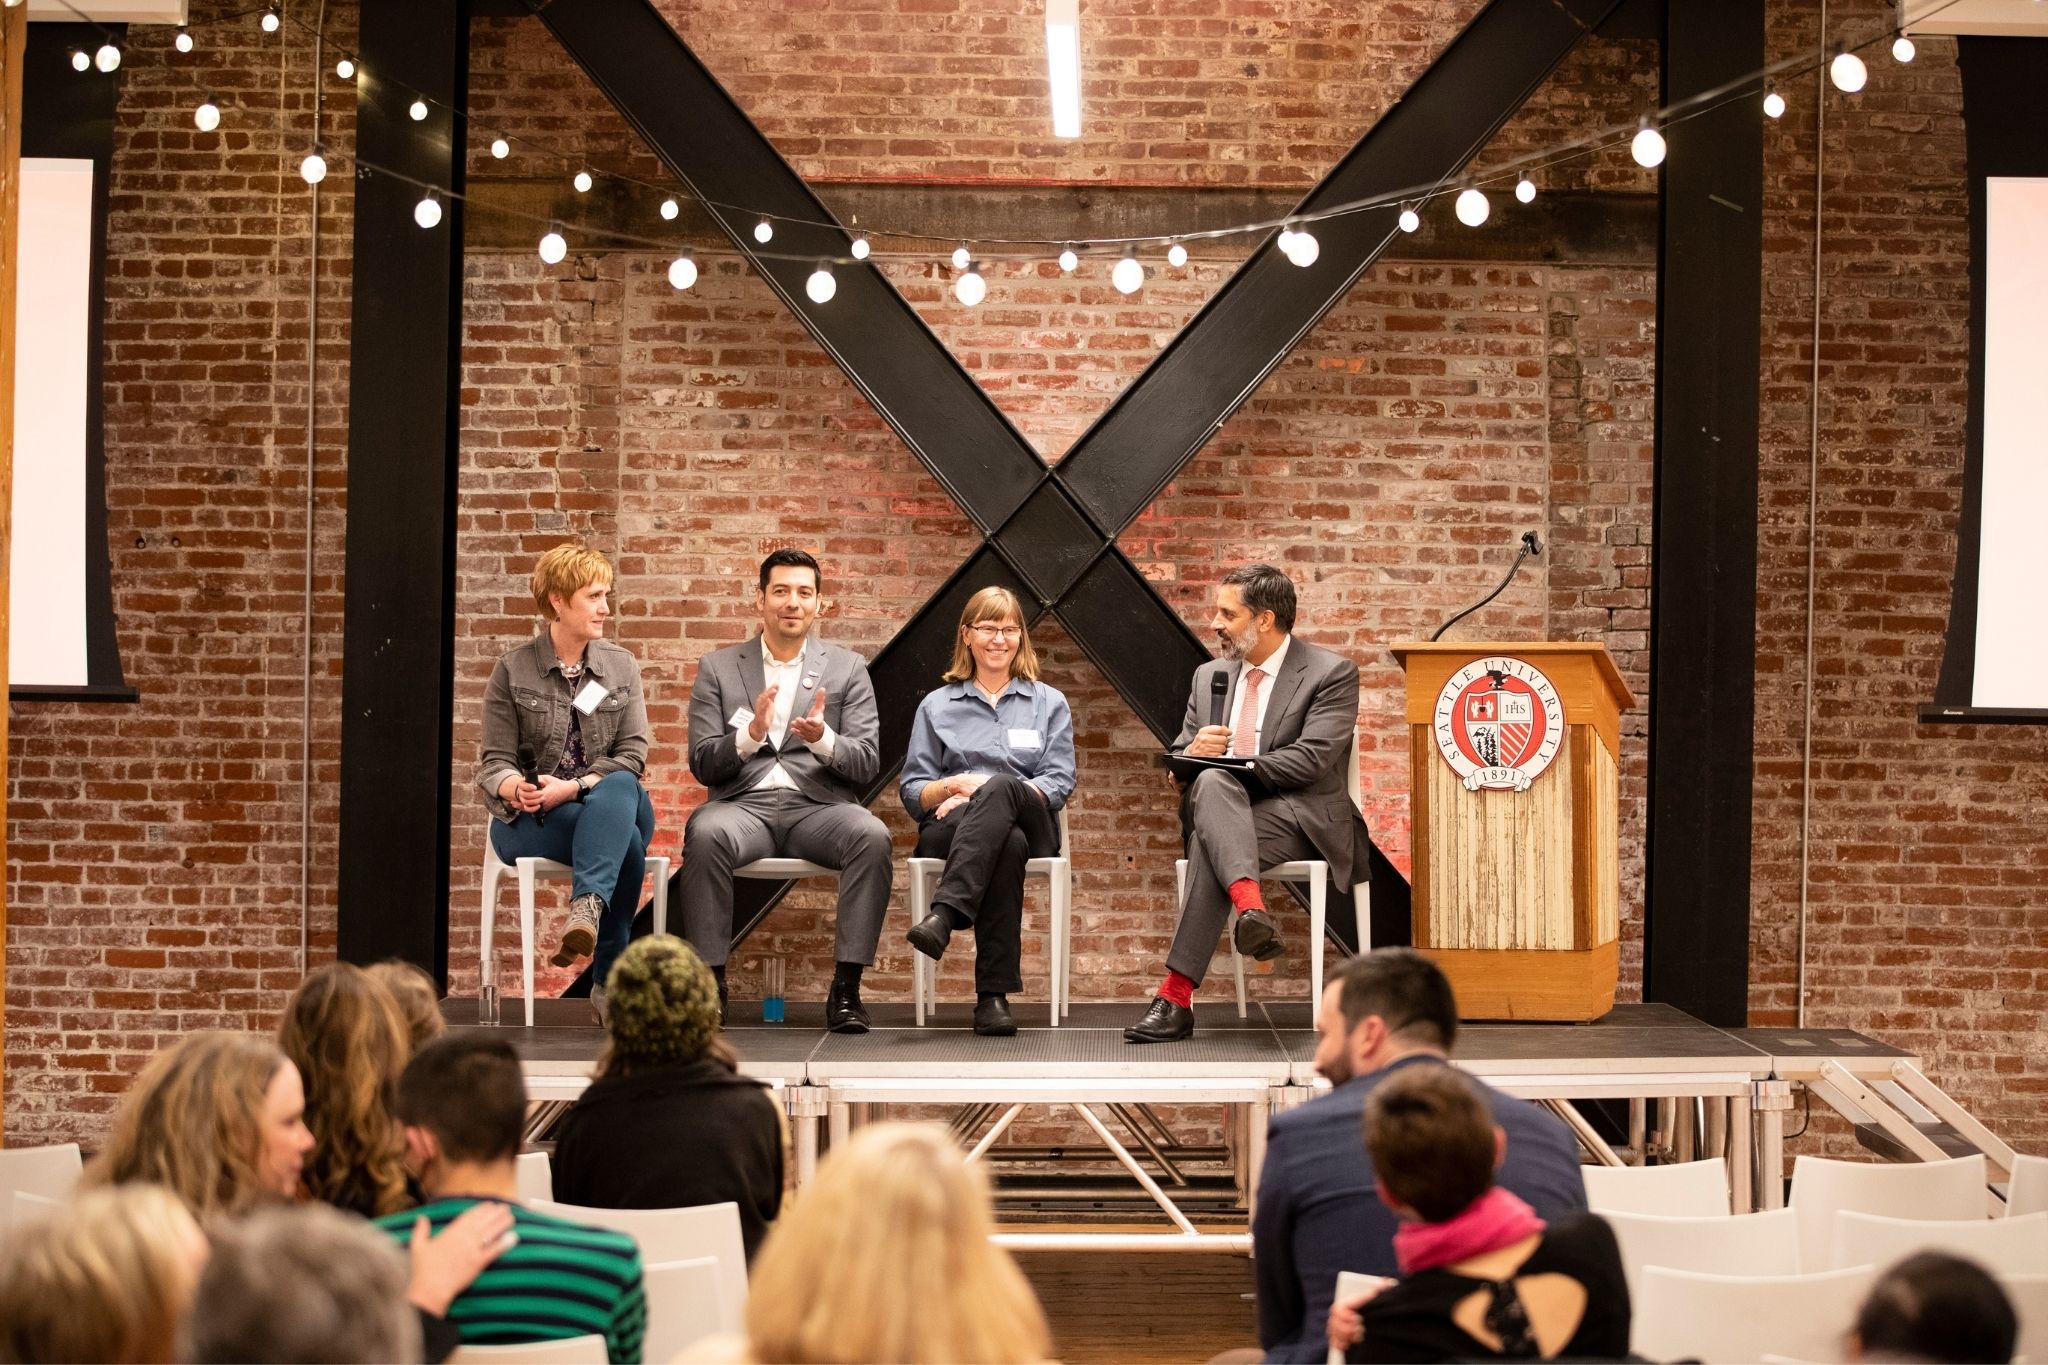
1059	874
1349	1282
536	1177
2003	1246
50	1172
2029	1295
1927	1190
1684	1314
681	1234
1316	873
586	1350
1752	1244
2028	1192
529	872
1684	1189
684	1305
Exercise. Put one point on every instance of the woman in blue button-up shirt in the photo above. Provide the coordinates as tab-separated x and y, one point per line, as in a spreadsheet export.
991	762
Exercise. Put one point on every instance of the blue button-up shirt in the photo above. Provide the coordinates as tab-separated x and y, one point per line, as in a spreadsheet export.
1028	733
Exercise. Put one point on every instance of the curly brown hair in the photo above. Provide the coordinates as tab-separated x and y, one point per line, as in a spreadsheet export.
350	1042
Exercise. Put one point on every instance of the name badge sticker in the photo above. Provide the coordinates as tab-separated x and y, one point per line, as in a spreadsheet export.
1025	739
742	718
593	692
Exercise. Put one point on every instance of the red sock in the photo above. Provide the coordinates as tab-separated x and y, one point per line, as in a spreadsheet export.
1179	990
1244	895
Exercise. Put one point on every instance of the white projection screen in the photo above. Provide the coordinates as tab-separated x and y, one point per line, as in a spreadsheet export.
2012	605
52	407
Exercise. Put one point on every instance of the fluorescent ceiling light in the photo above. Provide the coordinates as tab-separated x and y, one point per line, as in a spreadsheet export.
1063	64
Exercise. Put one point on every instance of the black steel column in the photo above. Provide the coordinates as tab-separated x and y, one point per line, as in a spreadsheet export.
398	640
1703	598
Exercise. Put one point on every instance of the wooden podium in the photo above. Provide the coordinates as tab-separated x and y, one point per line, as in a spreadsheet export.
1516	863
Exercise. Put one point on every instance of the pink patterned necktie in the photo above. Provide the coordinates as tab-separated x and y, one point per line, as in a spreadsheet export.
1244	740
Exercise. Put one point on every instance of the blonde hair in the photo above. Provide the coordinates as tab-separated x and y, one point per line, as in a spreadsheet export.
565	571
886	1256
107	1277
192	1122
993	604
343	1031
412	990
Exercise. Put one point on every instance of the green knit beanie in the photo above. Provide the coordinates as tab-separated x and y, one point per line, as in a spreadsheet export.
663	1003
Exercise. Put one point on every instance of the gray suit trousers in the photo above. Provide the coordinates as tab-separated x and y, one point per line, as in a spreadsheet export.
723	835
1229	837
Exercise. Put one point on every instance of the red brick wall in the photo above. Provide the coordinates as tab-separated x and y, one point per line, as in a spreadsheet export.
1436	413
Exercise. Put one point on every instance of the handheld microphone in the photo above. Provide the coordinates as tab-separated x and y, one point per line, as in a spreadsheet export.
1219	697
529	774
1532	546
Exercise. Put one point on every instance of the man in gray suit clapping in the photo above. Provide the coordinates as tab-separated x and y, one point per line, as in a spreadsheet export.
784	735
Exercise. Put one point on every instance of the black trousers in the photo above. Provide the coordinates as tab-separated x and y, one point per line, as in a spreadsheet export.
985	844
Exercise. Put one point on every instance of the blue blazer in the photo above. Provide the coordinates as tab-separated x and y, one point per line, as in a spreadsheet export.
1318	1212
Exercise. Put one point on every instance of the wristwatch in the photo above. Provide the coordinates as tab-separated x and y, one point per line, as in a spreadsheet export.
581	789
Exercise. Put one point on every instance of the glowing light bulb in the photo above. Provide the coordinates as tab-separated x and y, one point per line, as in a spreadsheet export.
108	58
345	68
271	21
553	247
427	213
821	286
970	288
418	110
961	258
183	42
1774	103
80	62
1903	49
1305	249
1176	255
500	148
1128	276
860	248
1472	207
1068	260
1410	220
1285	241
1525	190
1647	147
583	182
764	232
207	116
313	168
1848	72
669	209
682	272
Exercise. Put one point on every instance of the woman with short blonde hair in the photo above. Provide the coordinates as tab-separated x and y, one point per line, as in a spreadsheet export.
564	750
108	1277
218	1119
991	763
413	991
343	1031
886	1256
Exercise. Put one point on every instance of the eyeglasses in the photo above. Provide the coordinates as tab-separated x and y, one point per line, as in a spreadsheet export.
988	632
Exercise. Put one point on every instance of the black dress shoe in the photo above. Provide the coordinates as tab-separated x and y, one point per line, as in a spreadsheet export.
1256	937
992	1018
843	1011
1165	1022
931	934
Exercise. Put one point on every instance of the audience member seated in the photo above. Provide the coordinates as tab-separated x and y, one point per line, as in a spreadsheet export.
669	1121
304	1284
463	1104
1483	1277
418	1001
1935	1307
887	1257
218	1119
108	1277
1382	1013
344	1033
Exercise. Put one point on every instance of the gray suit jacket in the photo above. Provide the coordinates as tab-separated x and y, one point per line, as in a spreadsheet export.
1303	746
729	679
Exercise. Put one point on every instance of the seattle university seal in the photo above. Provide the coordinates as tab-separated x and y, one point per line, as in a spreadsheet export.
1498	723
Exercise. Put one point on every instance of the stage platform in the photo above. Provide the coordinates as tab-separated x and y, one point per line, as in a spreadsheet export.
1729	1085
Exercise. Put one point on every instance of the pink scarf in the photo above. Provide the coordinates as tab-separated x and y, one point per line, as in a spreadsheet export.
1493	1220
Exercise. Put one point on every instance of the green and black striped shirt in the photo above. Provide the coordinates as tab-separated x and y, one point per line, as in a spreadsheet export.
561	1280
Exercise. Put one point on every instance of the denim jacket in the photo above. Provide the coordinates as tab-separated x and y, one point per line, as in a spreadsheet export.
527	709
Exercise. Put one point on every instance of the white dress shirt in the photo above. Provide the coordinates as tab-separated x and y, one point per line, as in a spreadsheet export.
1271	669
785	678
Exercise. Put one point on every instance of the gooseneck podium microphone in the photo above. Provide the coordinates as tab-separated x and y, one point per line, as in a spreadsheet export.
1219	697
1531	547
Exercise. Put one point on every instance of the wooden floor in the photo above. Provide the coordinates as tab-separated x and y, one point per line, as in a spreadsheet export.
1176	1307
